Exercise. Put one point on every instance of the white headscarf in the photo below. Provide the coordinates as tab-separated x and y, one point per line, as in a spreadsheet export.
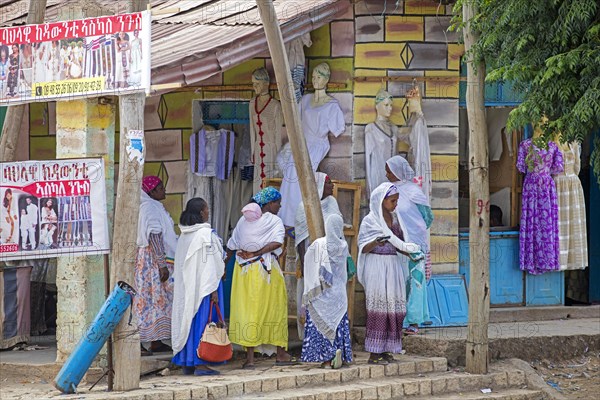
325	277
154	218
329	206
198	270
254	235
374	226
410	195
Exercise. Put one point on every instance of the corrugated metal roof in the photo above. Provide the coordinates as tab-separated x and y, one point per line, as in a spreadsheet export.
204	37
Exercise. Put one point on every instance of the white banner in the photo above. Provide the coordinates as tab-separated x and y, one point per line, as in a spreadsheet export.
52	208
80	58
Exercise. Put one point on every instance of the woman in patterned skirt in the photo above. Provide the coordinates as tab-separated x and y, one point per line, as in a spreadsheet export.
327	330
379	270
156	243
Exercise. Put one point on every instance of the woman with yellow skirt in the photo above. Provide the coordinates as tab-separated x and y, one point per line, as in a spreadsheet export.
259	309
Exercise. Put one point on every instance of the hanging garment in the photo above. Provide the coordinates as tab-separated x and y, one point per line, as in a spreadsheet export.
212	153
266	124
297	61
14	306
317	122
419	155
379	147
539	246
571	211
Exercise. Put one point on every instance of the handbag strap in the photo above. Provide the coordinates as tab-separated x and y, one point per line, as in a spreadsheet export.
213	304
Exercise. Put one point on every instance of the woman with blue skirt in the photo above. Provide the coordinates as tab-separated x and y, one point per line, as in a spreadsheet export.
199	268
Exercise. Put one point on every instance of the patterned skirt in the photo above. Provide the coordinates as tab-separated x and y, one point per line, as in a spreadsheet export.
154	298
572	235
317	348
385	294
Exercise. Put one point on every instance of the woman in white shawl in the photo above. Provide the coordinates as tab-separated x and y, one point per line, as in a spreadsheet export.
380	239
197	275
415	211
329	206
327	329
156	241
259	314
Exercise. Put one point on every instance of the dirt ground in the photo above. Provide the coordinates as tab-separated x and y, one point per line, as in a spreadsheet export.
578	378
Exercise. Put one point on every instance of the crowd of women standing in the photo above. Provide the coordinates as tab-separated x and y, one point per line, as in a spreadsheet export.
179	280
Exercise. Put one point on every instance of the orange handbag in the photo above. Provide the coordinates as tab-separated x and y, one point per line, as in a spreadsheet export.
215	345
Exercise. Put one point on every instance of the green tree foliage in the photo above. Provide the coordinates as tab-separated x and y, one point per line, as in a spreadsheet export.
550	50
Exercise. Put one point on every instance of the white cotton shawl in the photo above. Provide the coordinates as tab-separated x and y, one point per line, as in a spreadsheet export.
329	206
374	226
410	194
420	153
198	270
253	236
325	277
154	218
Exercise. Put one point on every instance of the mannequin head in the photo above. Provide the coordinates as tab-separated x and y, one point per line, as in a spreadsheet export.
260	81
383	104
320	76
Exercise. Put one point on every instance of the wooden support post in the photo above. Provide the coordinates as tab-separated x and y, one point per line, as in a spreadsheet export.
14	114
479	218
285	87
127	354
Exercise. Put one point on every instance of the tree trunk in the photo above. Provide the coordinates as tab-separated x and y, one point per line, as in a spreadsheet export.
14	114
479	192
285	86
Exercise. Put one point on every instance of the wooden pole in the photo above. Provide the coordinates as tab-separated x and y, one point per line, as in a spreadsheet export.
127	353
479	192
285	87
14	114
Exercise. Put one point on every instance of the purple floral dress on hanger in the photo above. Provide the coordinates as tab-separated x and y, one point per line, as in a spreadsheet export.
539	246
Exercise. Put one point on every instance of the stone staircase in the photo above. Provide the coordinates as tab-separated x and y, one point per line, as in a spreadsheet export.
411	377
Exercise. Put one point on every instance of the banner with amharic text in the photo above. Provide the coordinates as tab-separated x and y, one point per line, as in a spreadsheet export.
52	208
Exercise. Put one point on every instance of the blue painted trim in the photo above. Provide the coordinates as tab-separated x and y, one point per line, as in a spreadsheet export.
493	234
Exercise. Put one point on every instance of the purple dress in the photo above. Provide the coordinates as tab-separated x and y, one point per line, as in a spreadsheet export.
539	246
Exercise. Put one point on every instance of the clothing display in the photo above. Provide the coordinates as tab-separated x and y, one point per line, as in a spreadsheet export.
14	306
380	145
266	124
297	61
317	122
539	245
212	153
419	154
259	313
197	273
571	211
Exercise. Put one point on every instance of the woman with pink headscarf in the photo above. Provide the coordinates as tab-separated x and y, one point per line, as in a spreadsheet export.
156	242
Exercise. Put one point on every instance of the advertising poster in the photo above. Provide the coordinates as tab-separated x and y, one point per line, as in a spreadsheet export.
80	58
52	208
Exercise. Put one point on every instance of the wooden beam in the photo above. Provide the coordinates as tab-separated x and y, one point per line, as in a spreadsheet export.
127	353
306	177
409	79
14	114
479	192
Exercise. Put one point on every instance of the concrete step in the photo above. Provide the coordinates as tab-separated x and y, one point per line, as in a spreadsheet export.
504	385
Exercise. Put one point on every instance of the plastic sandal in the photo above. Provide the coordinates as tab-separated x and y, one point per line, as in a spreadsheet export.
188	370
389	357
411	330
378	361
336	363
248	366
203	372
292	361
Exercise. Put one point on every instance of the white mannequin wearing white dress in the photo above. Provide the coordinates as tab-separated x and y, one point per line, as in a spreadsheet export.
381	137
320	114
265	109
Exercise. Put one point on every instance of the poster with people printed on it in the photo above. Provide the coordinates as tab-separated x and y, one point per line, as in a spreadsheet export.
52	208
79	58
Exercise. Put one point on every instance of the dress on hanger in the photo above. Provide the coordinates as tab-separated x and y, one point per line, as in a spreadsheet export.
539	245
571	212
379	147
419	155
265	139
317	122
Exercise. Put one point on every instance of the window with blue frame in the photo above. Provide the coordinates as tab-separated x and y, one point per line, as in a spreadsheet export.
497	94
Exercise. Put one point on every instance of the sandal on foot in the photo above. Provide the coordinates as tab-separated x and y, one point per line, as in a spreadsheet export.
336	363
389	357
188	370
203	372
291	361
378	361
248	366
411	330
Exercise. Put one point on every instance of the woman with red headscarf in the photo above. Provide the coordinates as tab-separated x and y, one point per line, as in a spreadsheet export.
156	242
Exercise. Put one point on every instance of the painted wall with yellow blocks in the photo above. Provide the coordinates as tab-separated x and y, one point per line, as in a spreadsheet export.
407	40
